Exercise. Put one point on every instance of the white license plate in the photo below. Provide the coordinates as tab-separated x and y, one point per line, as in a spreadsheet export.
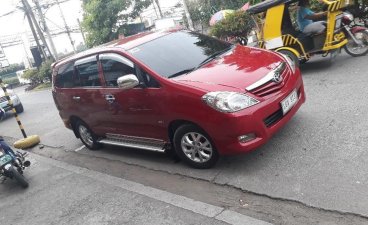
289	102
5	159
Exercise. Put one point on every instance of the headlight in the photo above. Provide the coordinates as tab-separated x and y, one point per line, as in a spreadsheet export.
290	61
226	101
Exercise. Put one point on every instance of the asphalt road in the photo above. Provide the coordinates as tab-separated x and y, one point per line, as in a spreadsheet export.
319	159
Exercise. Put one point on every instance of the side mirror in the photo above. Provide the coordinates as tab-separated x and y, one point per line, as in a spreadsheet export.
127	82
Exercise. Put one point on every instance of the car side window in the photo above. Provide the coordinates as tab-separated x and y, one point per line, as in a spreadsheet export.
65	76
87	73
115	66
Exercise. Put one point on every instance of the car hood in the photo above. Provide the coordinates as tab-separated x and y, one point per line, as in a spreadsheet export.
233	71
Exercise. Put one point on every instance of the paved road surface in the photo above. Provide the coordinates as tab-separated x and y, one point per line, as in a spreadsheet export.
319	159
60	193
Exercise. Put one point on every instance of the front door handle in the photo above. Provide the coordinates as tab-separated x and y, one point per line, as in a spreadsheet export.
76	98
110	98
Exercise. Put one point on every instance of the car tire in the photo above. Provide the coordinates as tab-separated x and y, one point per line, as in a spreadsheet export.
19	108
86	135
195	147
291	55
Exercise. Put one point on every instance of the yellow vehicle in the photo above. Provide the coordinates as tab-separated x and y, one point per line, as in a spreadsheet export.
277	31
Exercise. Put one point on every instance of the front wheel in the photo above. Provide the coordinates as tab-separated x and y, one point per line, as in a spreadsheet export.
290	55
354	49
13	173
19	108
195	147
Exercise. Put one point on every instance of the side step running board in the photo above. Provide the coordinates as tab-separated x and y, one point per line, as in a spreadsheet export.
134	142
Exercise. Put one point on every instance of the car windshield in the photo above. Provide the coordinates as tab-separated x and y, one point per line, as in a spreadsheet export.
178	53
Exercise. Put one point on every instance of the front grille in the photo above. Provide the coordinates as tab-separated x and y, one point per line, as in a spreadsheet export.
271	87
273	118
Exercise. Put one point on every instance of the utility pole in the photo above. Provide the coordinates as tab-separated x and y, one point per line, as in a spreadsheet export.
82	31
66	26
159	8
26	11
187	14
29	9
42	18
154	7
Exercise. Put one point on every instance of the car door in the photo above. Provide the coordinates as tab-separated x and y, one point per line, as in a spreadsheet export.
135	112
87	96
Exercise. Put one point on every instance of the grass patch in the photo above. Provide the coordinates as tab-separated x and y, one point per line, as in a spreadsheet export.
42	86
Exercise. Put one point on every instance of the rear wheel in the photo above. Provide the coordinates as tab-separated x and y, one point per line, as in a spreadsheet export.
291	56
18	177
19	108
195	147
354	49
88	138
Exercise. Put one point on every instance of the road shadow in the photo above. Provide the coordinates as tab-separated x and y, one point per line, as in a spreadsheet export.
323	64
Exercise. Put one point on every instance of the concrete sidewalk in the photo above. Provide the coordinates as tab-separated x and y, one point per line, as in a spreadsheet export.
60	193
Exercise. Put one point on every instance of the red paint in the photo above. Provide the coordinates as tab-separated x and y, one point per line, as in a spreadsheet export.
149	112
356	29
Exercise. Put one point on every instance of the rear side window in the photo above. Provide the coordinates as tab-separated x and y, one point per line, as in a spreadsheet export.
65	75
87	75
115	66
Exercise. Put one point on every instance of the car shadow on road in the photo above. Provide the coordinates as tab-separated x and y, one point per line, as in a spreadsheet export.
321	64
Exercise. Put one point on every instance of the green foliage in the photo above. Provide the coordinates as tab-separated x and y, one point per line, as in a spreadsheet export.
45	70
11	69
32	75
101	18
42	86
44	73
237	24
201	11
11	81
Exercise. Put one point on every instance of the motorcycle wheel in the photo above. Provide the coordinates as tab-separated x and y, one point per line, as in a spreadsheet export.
352	49
18	177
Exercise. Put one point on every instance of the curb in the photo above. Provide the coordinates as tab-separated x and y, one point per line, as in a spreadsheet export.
201	208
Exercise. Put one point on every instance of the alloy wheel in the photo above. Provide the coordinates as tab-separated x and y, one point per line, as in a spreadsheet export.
196	147
86	135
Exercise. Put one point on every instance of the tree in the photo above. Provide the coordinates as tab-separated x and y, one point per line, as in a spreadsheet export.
237	24
101	18
201	11
11	69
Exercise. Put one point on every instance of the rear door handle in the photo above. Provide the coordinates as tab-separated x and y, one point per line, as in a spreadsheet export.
76	98
110	98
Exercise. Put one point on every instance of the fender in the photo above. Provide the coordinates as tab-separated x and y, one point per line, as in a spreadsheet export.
289	49
356	29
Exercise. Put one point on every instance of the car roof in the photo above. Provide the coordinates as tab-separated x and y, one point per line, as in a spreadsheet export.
124	44
263	6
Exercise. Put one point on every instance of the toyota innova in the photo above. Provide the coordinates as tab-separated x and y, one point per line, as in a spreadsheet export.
177	90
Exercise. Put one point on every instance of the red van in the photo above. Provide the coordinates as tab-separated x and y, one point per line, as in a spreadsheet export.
177	90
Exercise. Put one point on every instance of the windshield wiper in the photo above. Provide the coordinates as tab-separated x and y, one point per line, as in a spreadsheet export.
181	72
213	56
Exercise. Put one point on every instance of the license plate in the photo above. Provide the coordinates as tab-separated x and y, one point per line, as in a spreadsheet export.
5	159
289	102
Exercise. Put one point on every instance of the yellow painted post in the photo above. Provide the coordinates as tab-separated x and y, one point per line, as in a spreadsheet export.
13	109
26	142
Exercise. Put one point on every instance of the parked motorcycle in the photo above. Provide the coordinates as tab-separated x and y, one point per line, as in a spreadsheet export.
357	36
12	166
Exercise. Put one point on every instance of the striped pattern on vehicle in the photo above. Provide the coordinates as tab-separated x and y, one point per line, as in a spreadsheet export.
10	103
